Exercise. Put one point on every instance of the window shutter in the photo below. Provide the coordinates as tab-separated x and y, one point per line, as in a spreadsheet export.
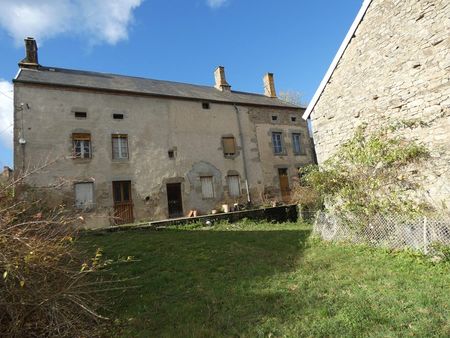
207	186
233	186
84	195
229	145
81	137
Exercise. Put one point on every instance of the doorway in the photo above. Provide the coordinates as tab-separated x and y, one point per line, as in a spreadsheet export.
174	200
123	204
284	185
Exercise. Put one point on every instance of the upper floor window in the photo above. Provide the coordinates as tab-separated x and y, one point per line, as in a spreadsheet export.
81	145
229	145
119	147
296	143
117	116
207	186
205	105
277	142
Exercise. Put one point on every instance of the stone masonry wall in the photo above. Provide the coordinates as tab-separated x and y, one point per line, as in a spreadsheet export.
395	71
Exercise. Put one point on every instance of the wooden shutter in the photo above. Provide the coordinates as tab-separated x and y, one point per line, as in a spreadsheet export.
81	137
207	186
229	145
84	195
233	186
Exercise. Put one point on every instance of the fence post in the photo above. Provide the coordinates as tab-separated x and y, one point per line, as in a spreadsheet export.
425	241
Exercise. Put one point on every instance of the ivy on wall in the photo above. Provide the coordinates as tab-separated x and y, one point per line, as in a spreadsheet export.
369	174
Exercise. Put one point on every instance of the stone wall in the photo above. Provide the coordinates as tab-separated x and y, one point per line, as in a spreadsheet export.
154	126
395	71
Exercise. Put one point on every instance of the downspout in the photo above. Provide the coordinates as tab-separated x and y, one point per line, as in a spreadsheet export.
244	161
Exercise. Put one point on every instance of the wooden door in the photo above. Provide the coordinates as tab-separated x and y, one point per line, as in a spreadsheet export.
123	204
284	185
174	200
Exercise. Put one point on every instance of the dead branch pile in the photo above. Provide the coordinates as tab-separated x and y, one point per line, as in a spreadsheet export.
44	284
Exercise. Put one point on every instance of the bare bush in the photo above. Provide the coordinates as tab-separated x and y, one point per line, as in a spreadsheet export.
45	288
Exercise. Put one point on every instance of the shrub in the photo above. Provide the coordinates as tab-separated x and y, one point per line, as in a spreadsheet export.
44	291
369	174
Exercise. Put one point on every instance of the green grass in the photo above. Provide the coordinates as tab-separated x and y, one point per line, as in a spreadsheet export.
270	280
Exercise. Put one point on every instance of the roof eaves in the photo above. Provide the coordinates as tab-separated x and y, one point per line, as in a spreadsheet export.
337	58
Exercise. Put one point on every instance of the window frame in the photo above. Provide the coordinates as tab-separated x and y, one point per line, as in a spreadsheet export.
120	147
298	136
79	140
277	144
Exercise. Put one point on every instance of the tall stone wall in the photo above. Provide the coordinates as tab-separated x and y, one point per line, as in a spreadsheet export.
395	71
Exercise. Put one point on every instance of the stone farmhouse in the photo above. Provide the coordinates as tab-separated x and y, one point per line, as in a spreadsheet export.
126	149
393	67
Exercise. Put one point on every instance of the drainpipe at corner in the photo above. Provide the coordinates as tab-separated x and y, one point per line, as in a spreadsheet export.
244	161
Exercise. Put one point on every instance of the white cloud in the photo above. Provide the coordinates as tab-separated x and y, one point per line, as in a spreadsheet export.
98	20
216	3
6	113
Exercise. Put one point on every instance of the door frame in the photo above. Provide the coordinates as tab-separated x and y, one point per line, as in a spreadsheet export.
285	194
123	207
180	213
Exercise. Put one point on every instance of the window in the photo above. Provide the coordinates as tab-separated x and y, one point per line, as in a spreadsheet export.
233	186
296	144
205	105
229	145
80	114
207	186
84	195
119	147
171	153
118	116
293	118
277	142
81	145
274	118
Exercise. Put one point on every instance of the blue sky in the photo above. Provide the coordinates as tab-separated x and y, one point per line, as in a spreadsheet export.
178	40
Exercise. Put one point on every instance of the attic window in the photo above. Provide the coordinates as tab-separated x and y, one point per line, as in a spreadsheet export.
118	116
80	114
205	105
293	118
274	118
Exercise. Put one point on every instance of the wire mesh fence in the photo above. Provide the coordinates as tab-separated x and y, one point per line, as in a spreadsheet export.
394	231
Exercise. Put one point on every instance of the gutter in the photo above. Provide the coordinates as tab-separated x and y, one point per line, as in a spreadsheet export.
337	58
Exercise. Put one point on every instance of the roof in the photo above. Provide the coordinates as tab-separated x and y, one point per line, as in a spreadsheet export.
337	58
136	85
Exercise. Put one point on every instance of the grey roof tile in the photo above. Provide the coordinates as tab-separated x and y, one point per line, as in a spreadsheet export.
113	82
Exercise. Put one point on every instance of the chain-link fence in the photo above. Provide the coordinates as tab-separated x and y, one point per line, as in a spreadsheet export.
392	231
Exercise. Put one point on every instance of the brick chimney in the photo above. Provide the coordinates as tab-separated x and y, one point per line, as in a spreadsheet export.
269	85
31	58
221	82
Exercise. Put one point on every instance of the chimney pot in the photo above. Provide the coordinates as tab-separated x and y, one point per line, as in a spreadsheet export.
269	85
31	54
221	82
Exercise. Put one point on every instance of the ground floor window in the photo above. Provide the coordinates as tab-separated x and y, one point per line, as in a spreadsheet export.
84	195
234	189
207	186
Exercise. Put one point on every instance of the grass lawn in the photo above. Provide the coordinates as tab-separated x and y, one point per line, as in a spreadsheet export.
270	280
